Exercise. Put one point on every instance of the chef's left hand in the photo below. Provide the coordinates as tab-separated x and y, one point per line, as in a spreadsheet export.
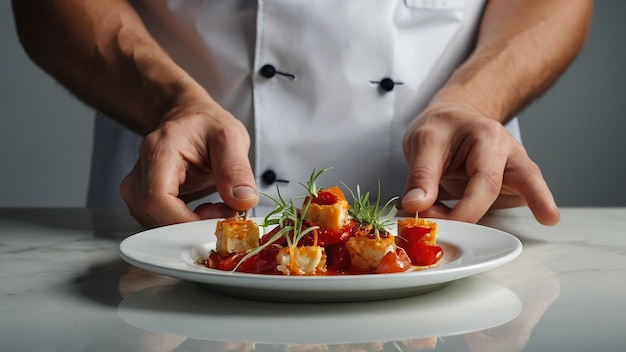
457	153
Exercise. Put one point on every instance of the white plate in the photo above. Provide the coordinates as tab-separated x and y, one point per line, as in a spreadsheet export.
172	250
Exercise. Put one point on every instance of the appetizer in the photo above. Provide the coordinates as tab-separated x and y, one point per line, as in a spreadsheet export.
417	238
325	235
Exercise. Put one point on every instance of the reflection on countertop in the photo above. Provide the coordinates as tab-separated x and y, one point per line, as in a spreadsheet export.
189	310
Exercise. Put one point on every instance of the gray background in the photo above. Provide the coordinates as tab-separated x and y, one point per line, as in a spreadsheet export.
576	132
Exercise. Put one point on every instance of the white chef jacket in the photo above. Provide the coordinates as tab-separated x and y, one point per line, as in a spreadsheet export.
324	83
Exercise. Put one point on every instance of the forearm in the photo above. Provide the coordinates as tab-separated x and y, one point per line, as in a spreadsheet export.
523	47
101	52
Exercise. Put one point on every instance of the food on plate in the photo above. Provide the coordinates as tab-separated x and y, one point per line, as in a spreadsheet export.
329	209
236	235
303	260
418	239
366	253
321	233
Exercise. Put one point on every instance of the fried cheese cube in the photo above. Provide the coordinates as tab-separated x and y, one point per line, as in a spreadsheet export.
332	216
236	236
308	260
366	253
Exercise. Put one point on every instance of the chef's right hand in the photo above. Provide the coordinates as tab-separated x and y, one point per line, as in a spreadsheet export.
198	149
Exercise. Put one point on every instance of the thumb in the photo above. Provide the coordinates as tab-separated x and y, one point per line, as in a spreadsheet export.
235	184
422	185
234	178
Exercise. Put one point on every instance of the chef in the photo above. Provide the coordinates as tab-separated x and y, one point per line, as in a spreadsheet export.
226	98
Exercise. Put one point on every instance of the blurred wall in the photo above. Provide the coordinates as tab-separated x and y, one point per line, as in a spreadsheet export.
45	134
576	132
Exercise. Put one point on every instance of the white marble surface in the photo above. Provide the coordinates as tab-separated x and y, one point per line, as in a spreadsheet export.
64	288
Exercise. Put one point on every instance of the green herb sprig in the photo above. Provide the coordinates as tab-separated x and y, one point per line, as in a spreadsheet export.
311	186
288	217
367	214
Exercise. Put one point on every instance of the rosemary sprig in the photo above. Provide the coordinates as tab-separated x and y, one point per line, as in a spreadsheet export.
275	217
288	218
311	186
367	214
295	218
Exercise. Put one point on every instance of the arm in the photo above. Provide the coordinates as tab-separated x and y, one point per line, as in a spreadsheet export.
102	52
457	148
523	47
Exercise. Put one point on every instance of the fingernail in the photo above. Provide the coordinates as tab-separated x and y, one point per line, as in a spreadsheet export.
244	192
414	195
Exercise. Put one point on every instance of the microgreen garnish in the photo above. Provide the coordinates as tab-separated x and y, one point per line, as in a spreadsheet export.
311	186
367	214
288	218
275	217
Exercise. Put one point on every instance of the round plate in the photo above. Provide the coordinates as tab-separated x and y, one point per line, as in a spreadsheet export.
173	251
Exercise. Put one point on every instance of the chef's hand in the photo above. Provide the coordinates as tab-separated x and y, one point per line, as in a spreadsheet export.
456	153
197	150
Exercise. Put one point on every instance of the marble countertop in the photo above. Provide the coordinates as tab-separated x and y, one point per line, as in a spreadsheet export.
63	287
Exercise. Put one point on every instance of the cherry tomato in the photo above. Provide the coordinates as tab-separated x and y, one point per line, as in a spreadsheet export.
413	234
329	196
263	262
325	198
213	260
394	262
424	254
337	257
328	237
229	262
268	236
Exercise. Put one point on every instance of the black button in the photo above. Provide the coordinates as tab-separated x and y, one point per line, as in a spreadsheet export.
387	84
268	177
268	71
